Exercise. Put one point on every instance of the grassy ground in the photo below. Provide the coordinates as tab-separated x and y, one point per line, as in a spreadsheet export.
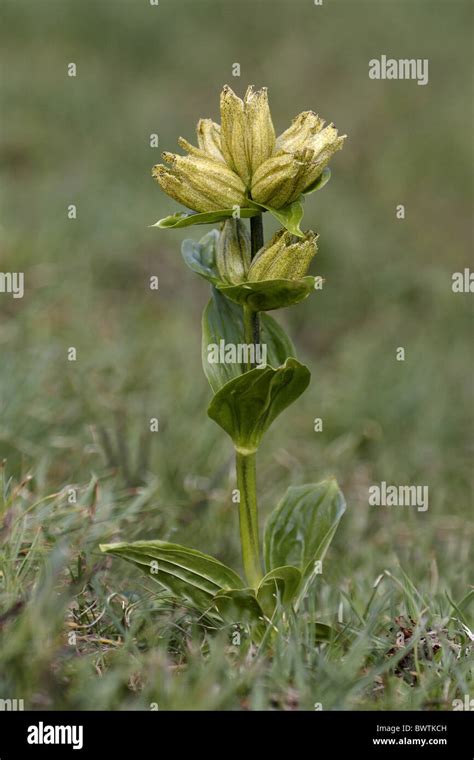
82	631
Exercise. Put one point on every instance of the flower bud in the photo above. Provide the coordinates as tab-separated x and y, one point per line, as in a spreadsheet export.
209	138
324	145
233	252
281	179
302	128
271	175
201	177
283	258
260	131
234	134
181	191
247	133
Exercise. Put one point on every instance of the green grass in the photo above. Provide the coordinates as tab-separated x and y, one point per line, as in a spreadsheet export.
83	425
74	618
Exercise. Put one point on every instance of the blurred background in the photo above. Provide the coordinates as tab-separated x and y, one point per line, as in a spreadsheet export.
85	140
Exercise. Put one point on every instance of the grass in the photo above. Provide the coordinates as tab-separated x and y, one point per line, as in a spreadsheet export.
80	466
74	619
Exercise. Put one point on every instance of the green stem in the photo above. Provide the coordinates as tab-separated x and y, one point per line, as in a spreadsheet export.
248	516
245	463
256	242
249	332
256	233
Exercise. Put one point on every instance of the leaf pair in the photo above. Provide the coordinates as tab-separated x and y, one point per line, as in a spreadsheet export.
223	321
246	403
265	295
297	535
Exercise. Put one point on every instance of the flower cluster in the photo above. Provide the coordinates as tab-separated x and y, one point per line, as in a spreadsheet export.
284	257
241	160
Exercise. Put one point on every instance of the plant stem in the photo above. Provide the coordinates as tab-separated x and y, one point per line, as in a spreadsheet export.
256	233
256	240
249	332
248	516
246	463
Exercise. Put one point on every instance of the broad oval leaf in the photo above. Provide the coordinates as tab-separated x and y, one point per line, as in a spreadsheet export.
187	573
246	406
238	605
289	216
279	344
266	295
201	257
188	218
280	584
319	182
302	526
222	326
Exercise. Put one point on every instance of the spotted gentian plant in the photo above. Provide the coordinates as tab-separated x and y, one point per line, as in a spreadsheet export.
240	170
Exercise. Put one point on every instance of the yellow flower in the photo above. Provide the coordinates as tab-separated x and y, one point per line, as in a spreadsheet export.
199	182
209	138
310	147
283	258
247	133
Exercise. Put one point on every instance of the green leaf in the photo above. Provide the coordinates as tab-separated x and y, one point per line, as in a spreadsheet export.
289	216
187	573
302	526
247	405
278	343
187	218
238	605
319	182
223	321
201	257
269	294
282	584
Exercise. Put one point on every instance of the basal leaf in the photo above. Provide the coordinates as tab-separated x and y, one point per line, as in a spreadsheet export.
187	573
223	321
247	405
281	584
302	526
269	294
238	605
187	218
